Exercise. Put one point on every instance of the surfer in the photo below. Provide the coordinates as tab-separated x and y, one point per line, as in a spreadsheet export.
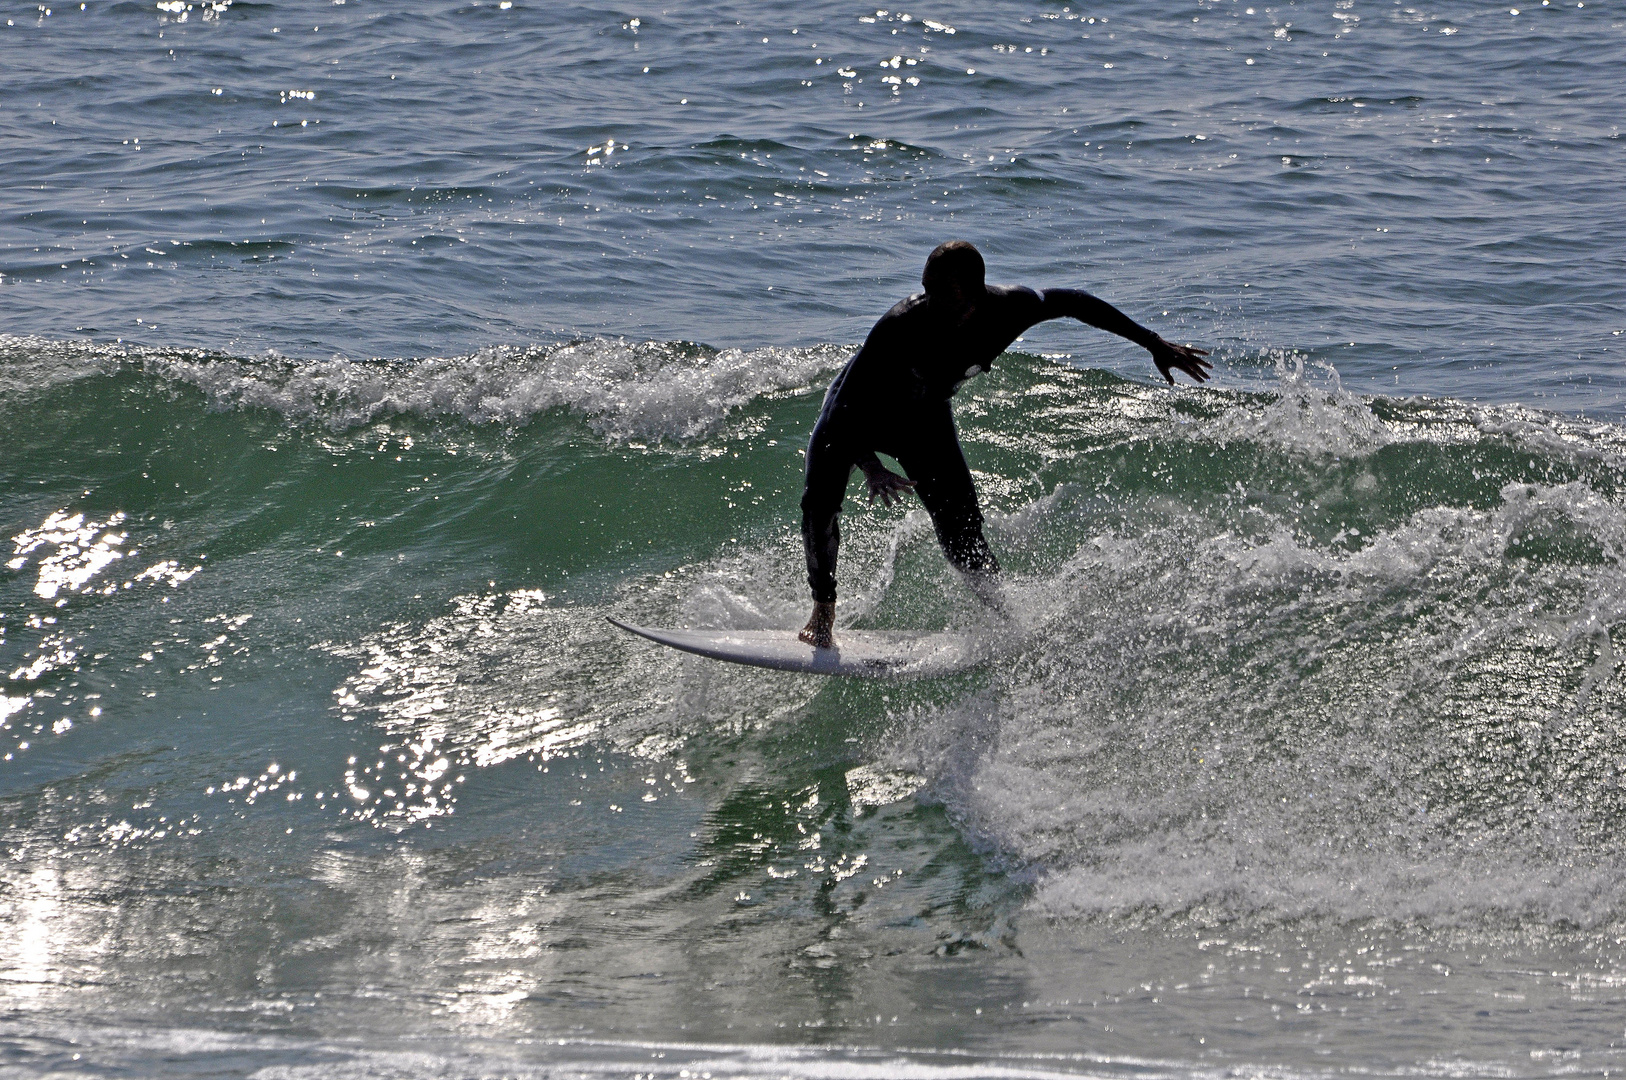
893	398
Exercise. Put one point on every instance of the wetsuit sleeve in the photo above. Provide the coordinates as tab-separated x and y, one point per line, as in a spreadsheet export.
1092	310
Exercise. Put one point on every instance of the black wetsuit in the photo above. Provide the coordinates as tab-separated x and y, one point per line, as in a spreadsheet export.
893	398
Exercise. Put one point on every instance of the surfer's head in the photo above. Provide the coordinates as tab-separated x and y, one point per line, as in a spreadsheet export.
954	270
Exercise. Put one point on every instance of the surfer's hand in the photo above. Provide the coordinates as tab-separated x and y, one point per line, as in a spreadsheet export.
1170	357
886	485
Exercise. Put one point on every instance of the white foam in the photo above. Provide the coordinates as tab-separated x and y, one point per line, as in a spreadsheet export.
1307	411
31	364
653	390
1423	727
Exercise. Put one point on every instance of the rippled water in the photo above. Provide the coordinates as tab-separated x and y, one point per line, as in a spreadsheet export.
358	359
1426	197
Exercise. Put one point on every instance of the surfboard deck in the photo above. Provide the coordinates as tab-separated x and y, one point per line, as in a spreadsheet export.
872	654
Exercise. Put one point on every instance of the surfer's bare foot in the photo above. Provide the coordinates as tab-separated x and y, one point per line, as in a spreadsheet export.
820	629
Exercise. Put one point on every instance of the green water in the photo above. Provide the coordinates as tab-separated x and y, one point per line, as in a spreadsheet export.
326	731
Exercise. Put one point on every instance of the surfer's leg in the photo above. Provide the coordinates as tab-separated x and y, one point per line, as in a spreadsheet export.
824	489
828	468
935	461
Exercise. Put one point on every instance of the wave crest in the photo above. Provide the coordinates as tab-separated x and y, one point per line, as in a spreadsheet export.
624	389
654	390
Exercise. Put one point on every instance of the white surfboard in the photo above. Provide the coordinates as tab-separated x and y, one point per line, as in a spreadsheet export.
875	654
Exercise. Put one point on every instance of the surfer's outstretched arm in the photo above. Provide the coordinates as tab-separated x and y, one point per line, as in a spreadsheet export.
1092	310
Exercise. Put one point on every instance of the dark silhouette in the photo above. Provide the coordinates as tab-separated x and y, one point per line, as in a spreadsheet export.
893	398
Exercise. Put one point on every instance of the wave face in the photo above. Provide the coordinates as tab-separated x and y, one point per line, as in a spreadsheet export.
1294	674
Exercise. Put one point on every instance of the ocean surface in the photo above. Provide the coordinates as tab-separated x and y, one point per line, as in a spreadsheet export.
358	358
